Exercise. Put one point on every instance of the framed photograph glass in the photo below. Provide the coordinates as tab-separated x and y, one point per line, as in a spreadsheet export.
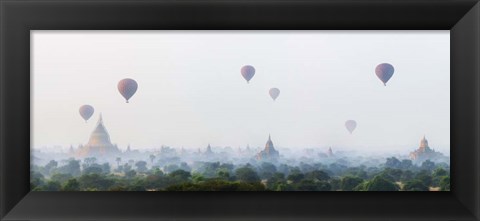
310	110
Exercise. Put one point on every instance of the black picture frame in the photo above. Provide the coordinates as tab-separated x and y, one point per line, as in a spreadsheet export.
18	17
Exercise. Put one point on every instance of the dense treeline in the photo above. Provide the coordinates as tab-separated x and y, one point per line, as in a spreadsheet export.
393	175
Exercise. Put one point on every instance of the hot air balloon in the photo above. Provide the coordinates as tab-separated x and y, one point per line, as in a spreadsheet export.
127	87
274	92
350	125
384	71
86	111
247	72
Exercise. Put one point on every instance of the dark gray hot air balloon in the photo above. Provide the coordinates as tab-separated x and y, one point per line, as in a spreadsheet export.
247	72
86	111
384	71
274	92
350	125
127	87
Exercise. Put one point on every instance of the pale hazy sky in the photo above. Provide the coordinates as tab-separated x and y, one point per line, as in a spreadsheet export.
191	92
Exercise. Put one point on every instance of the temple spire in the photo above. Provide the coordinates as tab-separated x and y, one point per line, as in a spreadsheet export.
269	152
100	120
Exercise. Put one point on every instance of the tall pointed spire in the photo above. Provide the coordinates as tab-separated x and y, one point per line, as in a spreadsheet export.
209	150
100	120
269	152
330	151
424	143
269	144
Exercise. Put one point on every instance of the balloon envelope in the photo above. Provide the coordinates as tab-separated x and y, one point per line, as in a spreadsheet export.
86	111
384	71
350	125
274	92
127	88
247	72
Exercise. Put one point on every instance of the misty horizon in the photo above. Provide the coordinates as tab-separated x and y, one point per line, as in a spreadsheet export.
191	93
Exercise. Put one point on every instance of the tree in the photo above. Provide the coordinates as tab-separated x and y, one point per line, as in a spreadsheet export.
89	161
130	174
223	174
335	183
306	185
94	182
217	185
141	166
105	168
72	167
445	183
170	168
152	158
71	185
437	176
424	177
393	162
126	167
337	168
209	169
317	175
275	180
60	177
348	183
295	176
406	164
267	170
50	166
324	186
180	176
378	183
52	186
36	179
392	174
184	166
311	185
361	187
406	176
93	170
197	178
356	172
119	160
247	174
284	187
428	165
439	172
415	185
305	167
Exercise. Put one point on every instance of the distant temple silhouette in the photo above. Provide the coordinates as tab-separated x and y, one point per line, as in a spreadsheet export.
209	151
424	152
99	143
330	152
269	153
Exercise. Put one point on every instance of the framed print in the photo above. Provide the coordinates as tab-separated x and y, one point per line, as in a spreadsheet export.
234	110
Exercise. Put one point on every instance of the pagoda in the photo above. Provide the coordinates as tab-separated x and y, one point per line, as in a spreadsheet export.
99	144
424	152
269	153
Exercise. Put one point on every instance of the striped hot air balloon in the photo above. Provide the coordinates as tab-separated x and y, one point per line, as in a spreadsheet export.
127	88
